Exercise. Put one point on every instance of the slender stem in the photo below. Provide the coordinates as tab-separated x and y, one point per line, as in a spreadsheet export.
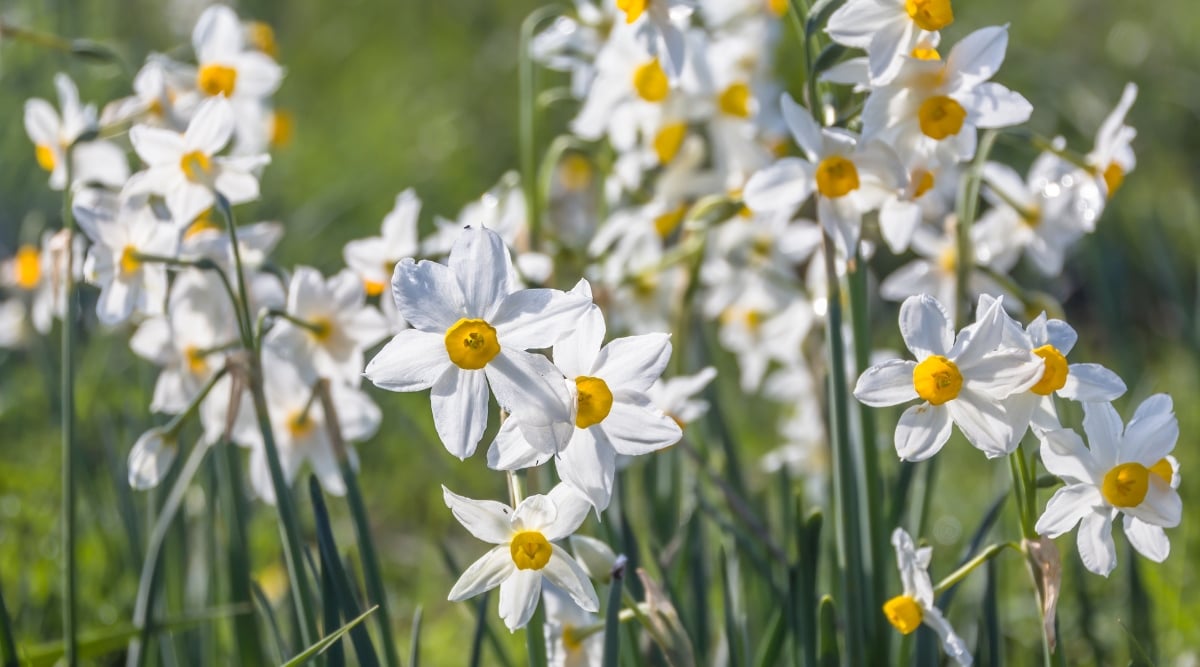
67	417
1016	467
968	209
845	492
515	491
527	84
962	572
535	637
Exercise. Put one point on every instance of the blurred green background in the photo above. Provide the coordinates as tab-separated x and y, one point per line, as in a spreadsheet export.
390	95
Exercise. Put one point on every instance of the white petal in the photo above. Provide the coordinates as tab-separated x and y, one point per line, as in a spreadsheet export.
589	466
889	383
238	187
534	513
1095	543
510	450
519	597
983	422
534	391
150	459
576	354
1149	540
257	75
41	122
978	56
492	569
854	23
1162	505
1091	383
117	301
537	318
157	146
460	409
564	572
804	128
1066	508
954	646
211	127
898	220
887	50
479	261
633	428
187	200
573	508
917	277
217	34
1103	427
922	431
487	520
1061	335
427	295
1152	433
1001	374
411	361
925	326
1064	455
634	362
782	186
992	105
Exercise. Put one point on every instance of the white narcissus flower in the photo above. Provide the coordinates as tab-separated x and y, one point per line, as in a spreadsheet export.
226	66
888	30
185	169
612	413
1053	340
525	553
54	139
374	258
1112	157
471	331
960	380
574	637
906	612
658	26
1125	470
115	263
934	107
151	458
338	323
677	396
850	176
14	330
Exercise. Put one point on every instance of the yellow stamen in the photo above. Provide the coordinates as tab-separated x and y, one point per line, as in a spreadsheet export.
924	182
937	379
571	642
1055	375
374	287
633	8
213	79
299	424
669	221
594	402
262	37
777	7
931	15
283	126
530	550
194	357
836	177
129	260
1114	176
196	166
926	53
575	172
45	157
203	223
471	344
1164	470
668	140
904	613
322	329
1126	485
27	267
940	117
735	100
650	82
948	259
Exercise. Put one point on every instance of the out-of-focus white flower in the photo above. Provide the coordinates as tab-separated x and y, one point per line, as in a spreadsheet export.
54	138
657	24
1124	470
1112	157
906	612
471	331
959	380
185	168
754	252
225	66
612	413
525	553
14	328
153	99
574	637
129	282
151	458
676	396
760	328
374	258
338	324
889	31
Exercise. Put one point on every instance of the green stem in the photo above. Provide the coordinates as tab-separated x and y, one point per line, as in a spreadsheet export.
845	492
535	637
968	209
233	506
527	84
962	572
289	520
67	416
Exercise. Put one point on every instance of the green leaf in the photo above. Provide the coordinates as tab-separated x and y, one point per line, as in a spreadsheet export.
612	615
827	649
414	653
321	646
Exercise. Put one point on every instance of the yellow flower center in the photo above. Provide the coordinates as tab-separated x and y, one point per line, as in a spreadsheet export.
926	53
45	156
129	260
735	100
924	182
471	344
299	424
836	177
941	117
196	166
937	379
262	37
283	126
633	8
374	287
1164	470
322	328
948	260
594	402
777	7
1114	176
575	171
203	223
650	82
213	79
194	357
1126	485
27	266
1055	375
668	140
904	613
530	550
930	15
669	221
571	641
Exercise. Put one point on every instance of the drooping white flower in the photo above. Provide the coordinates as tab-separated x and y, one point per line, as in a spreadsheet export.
116	262
907	611
1112	157
888	30
54	138
525	553
151	457
959	380
185	168
338	325
612	413
1125	470
471	331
